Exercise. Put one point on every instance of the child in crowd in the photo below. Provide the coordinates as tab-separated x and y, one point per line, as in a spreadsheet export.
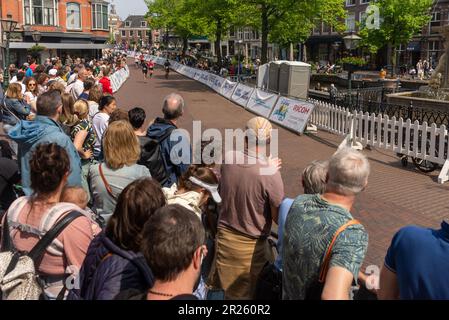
75	195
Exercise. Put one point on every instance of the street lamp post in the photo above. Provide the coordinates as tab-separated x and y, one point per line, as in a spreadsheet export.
37	36
336	46
351	43
8	26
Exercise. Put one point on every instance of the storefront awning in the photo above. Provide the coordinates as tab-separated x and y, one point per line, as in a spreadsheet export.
67	46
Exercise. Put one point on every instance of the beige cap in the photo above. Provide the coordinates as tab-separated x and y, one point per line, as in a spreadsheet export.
260	127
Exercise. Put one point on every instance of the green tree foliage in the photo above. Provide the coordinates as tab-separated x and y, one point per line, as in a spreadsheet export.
292	21
400	20
176	16
281	21
220	16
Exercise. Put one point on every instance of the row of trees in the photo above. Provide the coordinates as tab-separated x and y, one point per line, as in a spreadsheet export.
288	21
280	21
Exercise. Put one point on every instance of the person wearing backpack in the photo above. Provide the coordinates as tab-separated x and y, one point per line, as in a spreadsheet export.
150	155
114	262
161	131
67	230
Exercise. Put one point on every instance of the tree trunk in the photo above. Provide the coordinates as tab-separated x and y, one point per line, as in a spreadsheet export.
393	60
185	46
166	38
218	42
265	30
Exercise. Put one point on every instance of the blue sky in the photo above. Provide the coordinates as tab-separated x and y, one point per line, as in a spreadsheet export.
127	7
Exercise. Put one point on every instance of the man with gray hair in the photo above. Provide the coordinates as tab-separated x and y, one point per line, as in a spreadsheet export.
324	247
177	162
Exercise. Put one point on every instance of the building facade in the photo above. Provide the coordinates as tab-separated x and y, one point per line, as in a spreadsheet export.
114	23
247	42
326	45
76	27
429	45
135	32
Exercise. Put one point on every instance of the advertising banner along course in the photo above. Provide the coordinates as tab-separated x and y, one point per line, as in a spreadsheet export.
292	114
242	94
228	88
262	103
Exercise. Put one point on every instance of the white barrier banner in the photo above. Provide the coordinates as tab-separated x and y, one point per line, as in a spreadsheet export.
197	75
228	88
177	67
118	78
204	79
262	103
191	73
242	94
292	114
215	82
180	69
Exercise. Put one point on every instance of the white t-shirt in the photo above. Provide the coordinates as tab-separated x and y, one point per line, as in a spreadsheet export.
100	123
72	78
32	97
24	88
77	89
93	110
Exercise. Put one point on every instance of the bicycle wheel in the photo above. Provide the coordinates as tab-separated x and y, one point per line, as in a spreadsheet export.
424	165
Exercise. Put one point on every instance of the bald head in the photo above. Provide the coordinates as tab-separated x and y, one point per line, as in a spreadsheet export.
173	107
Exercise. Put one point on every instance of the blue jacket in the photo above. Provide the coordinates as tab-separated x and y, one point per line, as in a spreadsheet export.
19	107
157	130
103	277
29	134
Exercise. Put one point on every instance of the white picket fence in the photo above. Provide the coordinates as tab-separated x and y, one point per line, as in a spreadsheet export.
401	136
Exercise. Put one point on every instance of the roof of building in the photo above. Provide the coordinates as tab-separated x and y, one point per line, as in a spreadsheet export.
135	21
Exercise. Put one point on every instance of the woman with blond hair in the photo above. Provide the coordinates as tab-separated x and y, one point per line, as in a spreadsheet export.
68	119
83	137
107	179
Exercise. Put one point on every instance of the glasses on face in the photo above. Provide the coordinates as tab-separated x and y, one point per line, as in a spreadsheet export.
31	85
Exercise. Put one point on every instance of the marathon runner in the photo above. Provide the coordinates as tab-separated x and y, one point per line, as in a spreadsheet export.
144	70
167	68
151	67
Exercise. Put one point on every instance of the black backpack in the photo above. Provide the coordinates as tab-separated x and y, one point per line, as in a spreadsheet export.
152	158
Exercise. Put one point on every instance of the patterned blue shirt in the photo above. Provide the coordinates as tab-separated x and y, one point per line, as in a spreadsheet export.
311	224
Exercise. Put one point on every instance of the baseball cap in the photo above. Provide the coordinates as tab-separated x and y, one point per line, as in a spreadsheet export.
212	188
259	127
53	72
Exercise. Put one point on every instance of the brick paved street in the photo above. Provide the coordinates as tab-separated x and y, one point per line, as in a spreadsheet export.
395	197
